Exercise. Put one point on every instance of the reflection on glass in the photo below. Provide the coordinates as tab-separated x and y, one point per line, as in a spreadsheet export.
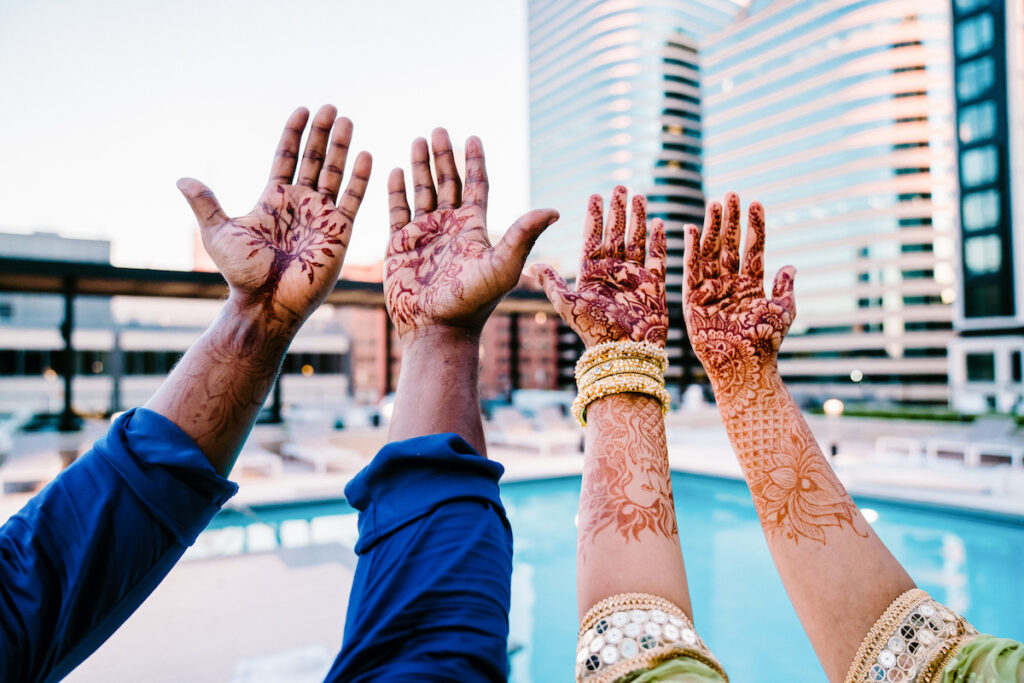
983	254
974	78
979	166
981	210
974	35
977	122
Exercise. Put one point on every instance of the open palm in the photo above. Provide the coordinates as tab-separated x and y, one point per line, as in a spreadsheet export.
440	267
620	294
286	254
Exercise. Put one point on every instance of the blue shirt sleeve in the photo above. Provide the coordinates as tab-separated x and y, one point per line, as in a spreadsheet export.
84	553
431	591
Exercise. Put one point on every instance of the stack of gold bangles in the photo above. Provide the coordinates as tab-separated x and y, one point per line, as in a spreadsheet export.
619	367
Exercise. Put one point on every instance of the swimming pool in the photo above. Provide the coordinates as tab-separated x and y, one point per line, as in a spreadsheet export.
974	564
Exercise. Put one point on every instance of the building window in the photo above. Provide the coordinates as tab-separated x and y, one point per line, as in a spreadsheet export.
1015	366
974	35
979	166
977	122
981	210
965	6
981	367
6	310
974	78
983	255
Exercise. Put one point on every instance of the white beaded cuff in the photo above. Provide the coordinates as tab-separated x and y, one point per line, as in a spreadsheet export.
634	632
911	642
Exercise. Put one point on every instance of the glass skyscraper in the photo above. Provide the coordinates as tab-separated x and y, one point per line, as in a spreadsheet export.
615	99
838	116
985	361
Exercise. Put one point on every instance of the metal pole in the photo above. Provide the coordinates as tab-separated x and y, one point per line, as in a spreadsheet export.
116	370
275	401
69	422
387	354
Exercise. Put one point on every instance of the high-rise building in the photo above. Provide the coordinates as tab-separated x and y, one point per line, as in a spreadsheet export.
838	116
986	357
615	99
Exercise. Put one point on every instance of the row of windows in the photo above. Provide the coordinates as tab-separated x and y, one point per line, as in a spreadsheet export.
46	362
981	366
974	35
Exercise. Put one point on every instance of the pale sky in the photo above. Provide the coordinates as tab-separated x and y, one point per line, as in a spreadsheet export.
106	103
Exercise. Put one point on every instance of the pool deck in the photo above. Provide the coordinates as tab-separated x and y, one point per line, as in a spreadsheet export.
278	614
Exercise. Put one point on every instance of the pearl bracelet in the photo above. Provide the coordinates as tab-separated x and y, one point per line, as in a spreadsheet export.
619	384
616	350
620	367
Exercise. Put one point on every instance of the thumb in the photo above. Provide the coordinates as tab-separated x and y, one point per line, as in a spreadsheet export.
516	243
555	288
203	202
782	288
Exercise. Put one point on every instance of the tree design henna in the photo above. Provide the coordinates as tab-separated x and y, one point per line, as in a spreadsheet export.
627	483
285	255
736	333
440	267
620	294
302	227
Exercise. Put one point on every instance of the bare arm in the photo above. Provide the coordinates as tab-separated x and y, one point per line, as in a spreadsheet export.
280	261
442	280
626	516
837	572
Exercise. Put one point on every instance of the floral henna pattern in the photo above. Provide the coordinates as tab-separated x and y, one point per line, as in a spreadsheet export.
299	228
620	294
627	483
426	266
736	332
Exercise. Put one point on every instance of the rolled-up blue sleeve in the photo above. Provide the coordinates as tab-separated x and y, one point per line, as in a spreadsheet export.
431	591
85	552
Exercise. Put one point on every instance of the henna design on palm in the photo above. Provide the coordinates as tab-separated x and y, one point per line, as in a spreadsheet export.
620	293
736	332
440	268
285	255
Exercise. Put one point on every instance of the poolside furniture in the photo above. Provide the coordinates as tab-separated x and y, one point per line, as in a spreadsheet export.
549	433
259	461
989	438
324	457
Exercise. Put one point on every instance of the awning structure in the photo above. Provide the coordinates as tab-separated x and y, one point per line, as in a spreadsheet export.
70	279
100	279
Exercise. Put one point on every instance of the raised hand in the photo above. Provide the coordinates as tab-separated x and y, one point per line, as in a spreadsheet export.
620	294
441	269
285	255
734	328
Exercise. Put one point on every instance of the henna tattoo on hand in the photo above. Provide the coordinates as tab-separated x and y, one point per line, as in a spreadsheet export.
436	271
300	228
736	331
627	482
619	294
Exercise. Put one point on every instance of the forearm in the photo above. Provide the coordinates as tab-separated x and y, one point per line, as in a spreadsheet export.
839	575
218	388
627	541
437	388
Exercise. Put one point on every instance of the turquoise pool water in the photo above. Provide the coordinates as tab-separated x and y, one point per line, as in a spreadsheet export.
974	564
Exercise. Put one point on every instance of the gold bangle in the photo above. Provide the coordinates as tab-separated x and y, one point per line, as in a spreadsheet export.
622	366
620	384
606	351
632	632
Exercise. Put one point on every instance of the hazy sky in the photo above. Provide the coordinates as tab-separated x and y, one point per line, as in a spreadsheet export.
106	103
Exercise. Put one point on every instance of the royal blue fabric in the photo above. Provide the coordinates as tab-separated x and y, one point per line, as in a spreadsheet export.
84	553
430	596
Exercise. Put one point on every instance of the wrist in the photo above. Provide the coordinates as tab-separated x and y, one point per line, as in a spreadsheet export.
246	330
441	339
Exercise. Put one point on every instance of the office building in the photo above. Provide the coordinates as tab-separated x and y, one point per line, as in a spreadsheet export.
838	116
988	54
615	99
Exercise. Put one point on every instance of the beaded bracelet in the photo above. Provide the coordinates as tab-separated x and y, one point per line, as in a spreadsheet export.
616	350
620	367
619	384
912	641
635	631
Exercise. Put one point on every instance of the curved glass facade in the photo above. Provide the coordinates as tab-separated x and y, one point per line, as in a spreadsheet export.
615	99
838	116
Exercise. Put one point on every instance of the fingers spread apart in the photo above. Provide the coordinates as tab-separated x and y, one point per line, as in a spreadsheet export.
615	230
424	194
316	145
449	185
636	246
282	170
